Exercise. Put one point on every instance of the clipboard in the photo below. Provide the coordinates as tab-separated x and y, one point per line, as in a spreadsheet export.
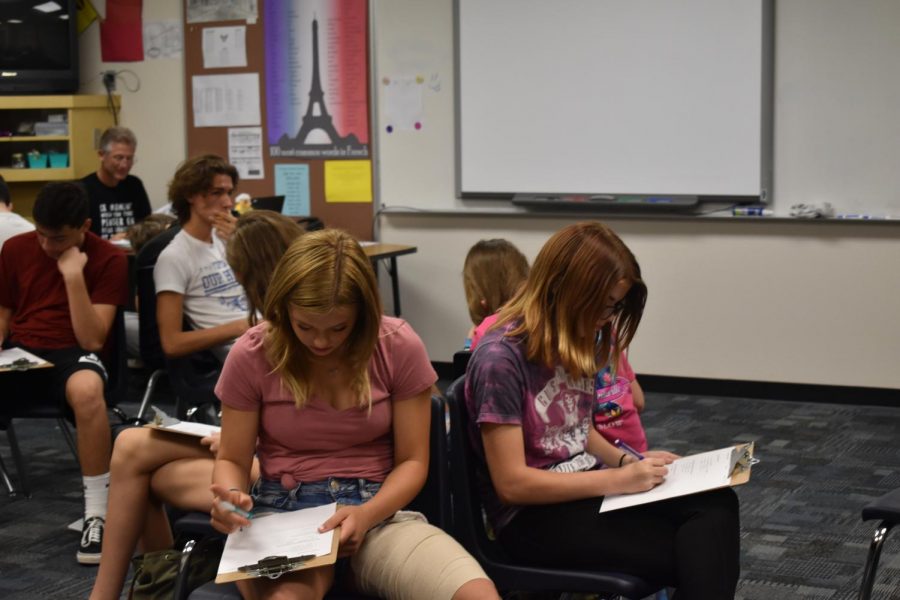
726	467
163	422
742	461
275	566
17	359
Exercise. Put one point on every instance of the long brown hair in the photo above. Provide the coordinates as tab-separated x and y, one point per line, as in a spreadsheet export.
567	292
493	271
260	239
321	271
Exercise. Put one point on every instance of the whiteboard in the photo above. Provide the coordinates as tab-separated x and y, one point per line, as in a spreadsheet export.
612	96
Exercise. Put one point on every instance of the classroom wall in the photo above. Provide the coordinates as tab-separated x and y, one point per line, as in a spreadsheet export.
763	301
156	111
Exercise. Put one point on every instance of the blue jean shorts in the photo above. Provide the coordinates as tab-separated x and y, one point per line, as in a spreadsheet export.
268	495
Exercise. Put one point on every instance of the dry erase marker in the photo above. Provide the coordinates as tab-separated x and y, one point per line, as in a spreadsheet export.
235	509
751	211
862	217
623	446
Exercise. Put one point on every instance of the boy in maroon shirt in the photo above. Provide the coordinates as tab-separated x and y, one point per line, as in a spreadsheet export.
60	286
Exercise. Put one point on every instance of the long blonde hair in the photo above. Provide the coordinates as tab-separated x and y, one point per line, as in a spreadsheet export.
321	271
567	292
493	271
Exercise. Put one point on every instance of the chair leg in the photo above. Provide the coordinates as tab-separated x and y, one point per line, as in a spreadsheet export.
4	475
148	391
67	434
17	459
868	581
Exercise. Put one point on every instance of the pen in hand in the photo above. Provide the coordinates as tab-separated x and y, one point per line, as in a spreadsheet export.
623	446
235	509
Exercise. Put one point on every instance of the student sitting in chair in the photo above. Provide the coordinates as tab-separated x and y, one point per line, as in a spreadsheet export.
492	272
334	398
529	391
60	287
193	280
150	468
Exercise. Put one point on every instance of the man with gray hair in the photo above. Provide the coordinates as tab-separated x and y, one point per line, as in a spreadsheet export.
118	199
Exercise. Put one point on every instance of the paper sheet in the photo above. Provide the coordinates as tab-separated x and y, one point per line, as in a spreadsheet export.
226	100
224	47
200	11
289	534
687	475
403	106
163	39
292	182
348	181
245	151
189	428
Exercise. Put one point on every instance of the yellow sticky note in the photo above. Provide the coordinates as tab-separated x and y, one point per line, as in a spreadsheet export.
85	15
348	181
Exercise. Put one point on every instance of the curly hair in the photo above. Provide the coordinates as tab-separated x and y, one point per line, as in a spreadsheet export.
195	176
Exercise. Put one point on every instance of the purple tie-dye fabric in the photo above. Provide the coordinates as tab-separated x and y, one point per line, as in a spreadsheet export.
553	409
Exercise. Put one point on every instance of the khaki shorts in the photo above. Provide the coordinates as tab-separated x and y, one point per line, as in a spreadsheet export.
406	558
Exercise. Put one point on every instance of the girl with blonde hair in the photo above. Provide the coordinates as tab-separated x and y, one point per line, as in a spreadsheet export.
529	391
150	468
334	399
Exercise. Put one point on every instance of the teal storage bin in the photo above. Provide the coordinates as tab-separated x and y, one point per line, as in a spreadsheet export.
59	160
37	161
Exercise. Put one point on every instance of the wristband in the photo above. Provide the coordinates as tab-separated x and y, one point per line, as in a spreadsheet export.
622	459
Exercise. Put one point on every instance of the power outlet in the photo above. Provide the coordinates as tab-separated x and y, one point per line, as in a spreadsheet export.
109	80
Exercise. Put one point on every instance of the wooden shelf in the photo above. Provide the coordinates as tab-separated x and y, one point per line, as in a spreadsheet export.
52	102
17	175
35	138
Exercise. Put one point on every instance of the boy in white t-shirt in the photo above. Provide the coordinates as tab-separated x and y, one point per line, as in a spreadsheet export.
192	277
10	223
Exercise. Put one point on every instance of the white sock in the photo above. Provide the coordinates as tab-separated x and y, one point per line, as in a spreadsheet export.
96	491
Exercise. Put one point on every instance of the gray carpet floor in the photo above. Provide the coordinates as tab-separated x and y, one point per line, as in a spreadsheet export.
802	535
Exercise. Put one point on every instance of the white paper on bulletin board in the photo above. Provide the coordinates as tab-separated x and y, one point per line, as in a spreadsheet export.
226	100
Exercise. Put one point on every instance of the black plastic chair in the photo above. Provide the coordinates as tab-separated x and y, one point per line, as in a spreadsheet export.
193	377
468	529
37	407
461	362
887	510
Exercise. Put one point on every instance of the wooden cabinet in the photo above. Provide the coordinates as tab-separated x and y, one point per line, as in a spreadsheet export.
64	128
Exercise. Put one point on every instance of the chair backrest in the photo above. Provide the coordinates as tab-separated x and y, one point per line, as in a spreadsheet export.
145	261
434	499
468	527
461	362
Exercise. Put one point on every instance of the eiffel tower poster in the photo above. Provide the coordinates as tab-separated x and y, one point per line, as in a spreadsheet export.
317	78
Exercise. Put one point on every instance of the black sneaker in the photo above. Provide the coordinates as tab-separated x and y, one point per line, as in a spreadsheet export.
91	541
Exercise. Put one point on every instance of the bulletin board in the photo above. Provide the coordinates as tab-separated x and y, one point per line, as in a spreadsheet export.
325	145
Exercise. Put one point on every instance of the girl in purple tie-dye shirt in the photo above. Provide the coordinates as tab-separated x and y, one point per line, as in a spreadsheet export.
529	391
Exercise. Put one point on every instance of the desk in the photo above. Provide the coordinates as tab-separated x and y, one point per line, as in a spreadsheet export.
379	251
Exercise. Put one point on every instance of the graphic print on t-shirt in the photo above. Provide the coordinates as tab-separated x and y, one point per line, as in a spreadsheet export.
115	218
564	430
218	279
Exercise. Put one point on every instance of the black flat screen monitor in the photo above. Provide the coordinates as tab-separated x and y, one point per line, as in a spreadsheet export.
38	47
275	203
